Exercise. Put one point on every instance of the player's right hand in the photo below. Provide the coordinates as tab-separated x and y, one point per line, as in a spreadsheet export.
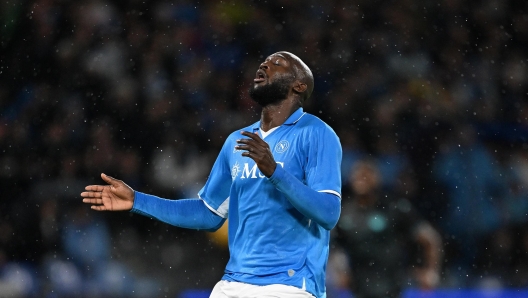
116	196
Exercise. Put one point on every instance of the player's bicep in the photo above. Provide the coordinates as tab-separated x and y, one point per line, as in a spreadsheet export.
323	171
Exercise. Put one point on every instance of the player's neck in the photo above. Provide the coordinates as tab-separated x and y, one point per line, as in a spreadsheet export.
276	114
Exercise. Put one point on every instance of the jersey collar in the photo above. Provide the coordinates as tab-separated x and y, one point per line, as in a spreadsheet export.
296	116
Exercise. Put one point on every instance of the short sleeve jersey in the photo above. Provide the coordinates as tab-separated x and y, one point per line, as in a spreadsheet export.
269	240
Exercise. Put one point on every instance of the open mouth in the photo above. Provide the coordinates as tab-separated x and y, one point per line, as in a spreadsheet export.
261	77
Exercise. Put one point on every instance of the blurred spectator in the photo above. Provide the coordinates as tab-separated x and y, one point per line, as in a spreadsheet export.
389	161
86	265
474	189
387	243
16	279
180	167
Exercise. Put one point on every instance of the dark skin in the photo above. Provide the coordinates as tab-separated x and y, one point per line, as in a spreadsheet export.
272	115
259	151
118	196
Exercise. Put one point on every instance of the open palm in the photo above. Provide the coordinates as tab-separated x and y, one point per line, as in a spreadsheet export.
116	196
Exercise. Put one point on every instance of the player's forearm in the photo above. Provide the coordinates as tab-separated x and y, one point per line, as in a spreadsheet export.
323	208
185	213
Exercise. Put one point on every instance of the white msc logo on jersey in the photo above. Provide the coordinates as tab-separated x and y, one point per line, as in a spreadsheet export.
248	172
282	146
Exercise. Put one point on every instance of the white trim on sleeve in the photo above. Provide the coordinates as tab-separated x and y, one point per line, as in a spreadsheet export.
331	192
223	209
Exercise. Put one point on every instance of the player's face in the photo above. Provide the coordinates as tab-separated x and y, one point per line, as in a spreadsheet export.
275	66
273	80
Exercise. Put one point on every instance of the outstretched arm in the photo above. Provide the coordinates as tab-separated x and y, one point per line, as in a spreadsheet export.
118	196
185	213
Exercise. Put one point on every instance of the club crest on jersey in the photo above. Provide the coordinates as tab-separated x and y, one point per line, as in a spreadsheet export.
282	146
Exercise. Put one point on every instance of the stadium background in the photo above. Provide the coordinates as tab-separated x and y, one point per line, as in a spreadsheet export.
146	91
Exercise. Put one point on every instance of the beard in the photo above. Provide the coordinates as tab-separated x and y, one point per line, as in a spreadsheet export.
271	93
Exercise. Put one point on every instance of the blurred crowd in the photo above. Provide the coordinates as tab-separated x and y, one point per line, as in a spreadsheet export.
146	91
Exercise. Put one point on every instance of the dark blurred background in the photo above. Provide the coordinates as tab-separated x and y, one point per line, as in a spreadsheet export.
147	91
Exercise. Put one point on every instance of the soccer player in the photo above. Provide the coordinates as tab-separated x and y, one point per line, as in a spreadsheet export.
277	180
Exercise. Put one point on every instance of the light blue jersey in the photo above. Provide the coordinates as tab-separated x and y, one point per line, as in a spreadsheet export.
269	240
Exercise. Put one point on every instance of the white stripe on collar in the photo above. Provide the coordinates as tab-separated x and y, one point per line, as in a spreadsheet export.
264	134
299	118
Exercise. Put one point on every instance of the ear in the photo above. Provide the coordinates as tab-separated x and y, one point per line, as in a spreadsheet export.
299	87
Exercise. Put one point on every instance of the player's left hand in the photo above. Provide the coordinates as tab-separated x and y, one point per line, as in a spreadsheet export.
259	151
